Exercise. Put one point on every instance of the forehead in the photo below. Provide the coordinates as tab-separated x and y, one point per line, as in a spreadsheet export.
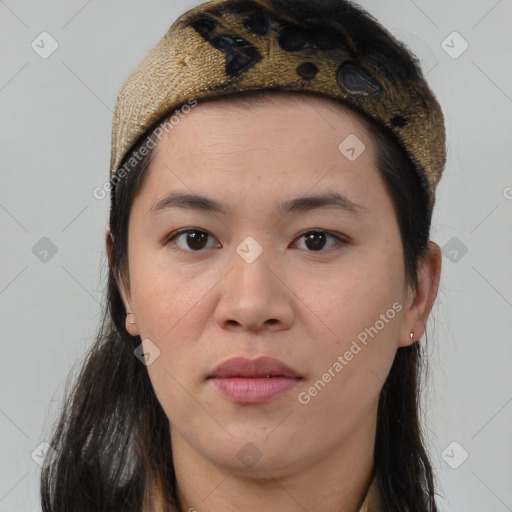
285	102
292	125
269	145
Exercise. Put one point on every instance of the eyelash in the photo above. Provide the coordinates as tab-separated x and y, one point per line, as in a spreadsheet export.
176	234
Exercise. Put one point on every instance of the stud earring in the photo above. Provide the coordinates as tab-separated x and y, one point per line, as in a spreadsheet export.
411	335
129	313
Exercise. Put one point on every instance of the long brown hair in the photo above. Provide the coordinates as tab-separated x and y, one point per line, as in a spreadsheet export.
112	438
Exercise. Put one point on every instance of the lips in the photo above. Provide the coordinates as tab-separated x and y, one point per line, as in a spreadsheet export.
260	367
253	381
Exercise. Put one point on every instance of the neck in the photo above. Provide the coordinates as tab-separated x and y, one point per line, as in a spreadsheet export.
336	482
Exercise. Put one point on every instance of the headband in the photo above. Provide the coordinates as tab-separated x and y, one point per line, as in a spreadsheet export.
327	47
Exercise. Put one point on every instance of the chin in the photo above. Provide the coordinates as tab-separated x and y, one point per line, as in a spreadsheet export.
250	452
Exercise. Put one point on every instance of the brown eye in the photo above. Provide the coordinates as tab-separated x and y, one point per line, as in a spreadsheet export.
190	240
315	240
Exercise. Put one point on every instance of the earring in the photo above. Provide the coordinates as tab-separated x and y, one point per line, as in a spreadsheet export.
411	335
129	313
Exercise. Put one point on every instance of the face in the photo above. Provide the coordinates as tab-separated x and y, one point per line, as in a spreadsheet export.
319	286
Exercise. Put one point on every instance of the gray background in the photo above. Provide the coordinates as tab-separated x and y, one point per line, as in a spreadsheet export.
56	115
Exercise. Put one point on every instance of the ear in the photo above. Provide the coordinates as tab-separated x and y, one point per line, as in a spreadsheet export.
420	301
124	289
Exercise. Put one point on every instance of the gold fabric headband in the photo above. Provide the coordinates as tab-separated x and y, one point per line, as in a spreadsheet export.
328	47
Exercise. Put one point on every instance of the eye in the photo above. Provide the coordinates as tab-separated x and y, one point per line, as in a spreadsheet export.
194	240
315	240
191	239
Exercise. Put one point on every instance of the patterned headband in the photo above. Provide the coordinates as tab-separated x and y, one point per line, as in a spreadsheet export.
328	47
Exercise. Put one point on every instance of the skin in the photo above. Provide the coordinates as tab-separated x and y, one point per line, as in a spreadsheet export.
302	306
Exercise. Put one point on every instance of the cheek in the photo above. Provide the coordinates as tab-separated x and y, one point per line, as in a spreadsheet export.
353	297
162	295
348	373
172	307
362	309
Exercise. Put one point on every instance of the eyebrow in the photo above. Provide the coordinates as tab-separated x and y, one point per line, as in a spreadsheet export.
300	204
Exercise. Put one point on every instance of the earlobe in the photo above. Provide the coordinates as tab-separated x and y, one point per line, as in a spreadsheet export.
131	324
417	312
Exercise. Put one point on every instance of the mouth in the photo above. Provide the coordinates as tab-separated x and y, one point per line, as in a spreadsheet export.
252	381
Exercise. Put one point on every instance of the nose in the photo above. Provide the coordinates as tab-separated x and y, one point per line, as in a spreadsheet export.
255	296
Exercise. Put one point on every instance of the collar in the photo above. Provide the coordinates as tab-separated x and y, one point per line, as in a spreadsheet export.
373	500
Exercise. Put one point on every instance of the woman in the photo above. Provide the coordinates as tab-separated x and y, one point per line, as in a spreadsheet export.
273	175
